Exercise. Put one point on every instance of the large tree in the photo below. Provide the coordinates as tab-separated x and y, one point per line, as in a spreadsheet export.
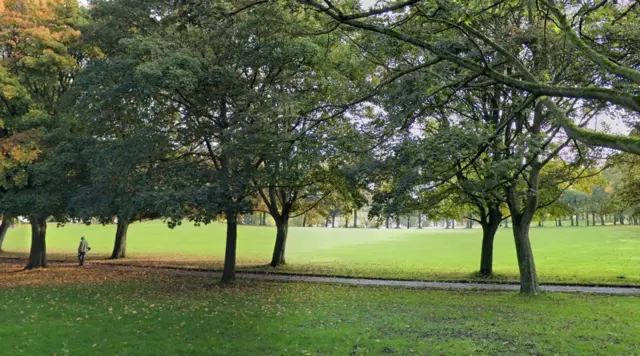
39	60
593	49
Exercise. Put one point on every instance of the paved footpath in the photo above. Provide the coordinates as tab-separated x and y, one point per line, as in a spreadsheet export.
391	283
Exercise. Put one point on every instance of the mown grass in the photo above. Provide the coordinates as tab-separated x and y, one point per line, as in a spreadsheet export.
170	315
583	255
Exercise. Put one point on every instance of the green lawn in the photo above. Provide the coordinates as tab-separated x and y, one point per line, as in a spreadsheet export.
193	316
569	254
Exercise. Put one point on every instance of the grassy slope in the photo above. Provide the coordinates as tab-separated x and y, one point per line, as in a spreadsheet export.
192	316
569	254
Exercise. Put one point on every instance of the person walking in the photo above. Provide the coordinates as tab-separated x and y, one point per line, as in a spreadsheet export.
82	250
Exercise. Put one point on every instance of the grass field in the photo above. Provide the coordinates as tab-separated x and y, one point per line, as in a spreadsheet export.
604	255
74	312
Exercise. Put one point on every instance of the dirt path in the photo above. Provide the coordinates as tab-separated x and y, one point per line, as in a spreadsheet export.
383	282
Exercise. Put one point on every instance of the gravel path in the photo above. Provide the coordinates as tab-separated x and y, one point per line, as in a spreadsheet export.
395	283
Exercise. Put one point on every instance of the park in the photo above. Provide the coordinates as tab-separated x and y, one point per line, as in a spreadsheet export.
315	177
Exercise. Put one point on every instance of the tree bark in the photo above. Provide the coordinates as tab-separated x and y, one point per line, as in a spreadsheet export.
229	271
38	253
448	224
528	277
572	223
355	218
578	220
346	222
419	221
408	222
120	245
560	221
398	222
489	229
4	227
282	227
587	218
388	222
621	219
304	220
601	220
333	219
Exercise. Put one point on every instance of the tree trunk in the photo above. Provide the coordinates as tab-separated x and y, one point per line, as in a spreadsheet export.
578	220
615	219
398	222
229	271
587	215
304	220
489	229
621	219
571	217
120	246
453	224
419	221
355	218
539	223
408	222
528	277
506	223
388	218
282	227
448	224
4	227
560	221
601	220
333	219
346	224
38	254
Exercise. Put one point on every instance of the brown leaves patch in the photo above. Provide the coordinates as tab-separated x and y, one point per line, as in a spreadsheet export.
15	275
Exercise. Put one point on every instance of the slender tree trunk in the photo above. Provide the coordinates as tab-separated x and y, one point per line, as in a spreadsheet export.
453	224
506	223
388	218
571	217
587	214
120	245
398	222
539	223
346	224
578	220
282	227
408	222
4	227
601	220
38	253
489	229
448	224
621	219
419	221
355	218
615	219
229	271
528	277
304	220
333	219
560	221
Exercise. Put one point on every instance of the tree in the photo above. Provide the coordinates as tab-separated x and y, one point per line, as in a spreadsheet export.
428	26
219	81
40	58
